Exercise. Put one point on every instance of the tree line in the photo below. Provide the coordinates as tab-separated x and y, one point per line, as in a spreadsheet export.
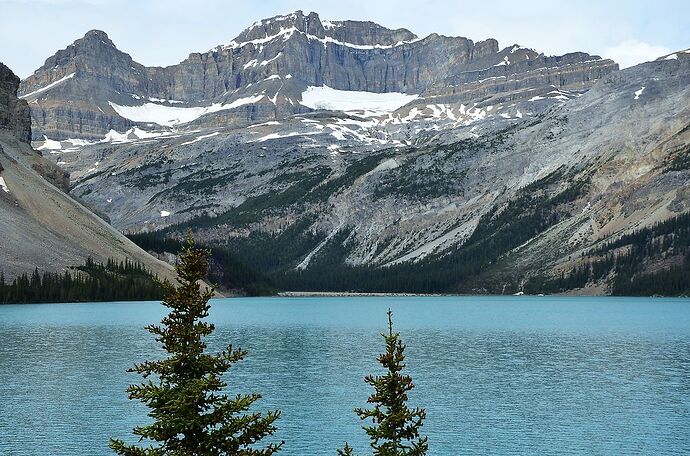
113	281
225	269
623	263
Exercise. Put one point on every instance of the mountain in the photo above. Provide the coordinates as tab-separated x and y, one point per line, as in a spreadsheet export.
266	72
41	225
344	155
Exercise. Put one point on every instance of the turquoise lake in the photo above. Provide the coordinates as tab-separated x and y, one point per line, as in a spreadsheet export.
497	375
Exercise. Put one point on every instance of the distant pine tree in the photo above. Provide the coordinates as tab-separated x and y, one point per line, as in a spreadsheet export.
395	429
191	415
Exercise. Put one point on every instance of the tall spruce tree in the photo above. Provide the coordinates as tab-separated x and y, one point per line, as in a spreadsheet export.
191	415
395	428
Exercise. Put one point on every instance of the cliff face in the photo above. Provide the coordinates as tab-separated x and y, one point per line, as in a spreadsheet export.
14	113
263	73
15	121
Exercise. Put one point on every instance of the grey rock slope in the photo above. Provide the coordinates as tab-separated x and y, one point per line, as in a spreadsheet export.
42	226
85	90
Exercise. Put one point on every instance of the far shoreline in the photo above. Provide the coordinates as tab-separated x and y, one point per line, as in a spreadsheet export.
348	294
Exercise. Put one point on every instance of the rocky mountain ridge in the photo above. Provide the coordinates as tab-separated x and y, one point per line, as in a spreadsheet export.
91	87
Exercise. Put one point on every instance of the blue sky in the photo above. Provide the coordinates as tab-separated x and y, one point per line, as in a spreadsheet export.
164	32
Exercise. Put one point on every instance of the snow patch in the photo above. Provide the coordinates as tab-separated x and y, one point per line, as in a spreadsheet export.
639	92
49	144
505	61
200	138
279	136
270	122
48	87
169	116
3	185
116	137
165	214
266	62
163	100
371	103
286	33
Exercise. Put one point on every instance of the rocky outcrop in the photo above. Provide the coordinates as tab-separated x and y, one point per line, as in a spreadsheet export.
263	72
15	120
14	113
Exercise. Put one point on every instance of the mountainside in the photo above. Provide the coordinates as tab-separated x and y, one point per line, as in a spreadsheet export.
42	226
344	155
89	88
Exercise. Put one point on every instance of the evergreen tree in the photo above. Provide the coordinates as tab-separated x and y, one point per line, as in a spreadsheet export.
191	415
395	428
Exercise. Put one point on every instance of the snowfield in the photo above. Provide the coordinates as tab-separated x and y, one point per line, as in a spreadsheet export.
3	185
169	116
373	104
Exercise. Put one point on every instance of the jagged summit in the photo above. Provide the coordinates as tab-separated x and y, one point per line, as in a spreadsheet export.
96	34
354	33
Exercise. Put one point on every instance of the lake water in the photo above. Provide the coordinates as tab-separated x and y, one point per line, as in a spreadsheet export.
497	375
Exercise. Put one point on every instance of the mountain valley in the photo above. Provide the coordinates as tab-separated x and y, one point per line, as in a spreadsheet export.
346	156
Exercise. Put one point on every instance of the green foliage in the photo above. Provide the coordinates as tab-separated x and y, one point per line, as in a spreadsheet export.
272	253
225	268
395	427
420	183
114	281
254	208
535	208
191	415
147	175
674	281
625	259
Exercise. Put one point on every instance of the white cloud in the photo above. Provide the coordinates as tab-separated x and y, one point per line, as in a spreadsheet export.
631	52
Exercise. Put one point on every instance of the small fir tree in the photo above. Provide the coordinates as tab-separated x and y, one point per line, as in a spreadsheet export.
395	428
191	415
